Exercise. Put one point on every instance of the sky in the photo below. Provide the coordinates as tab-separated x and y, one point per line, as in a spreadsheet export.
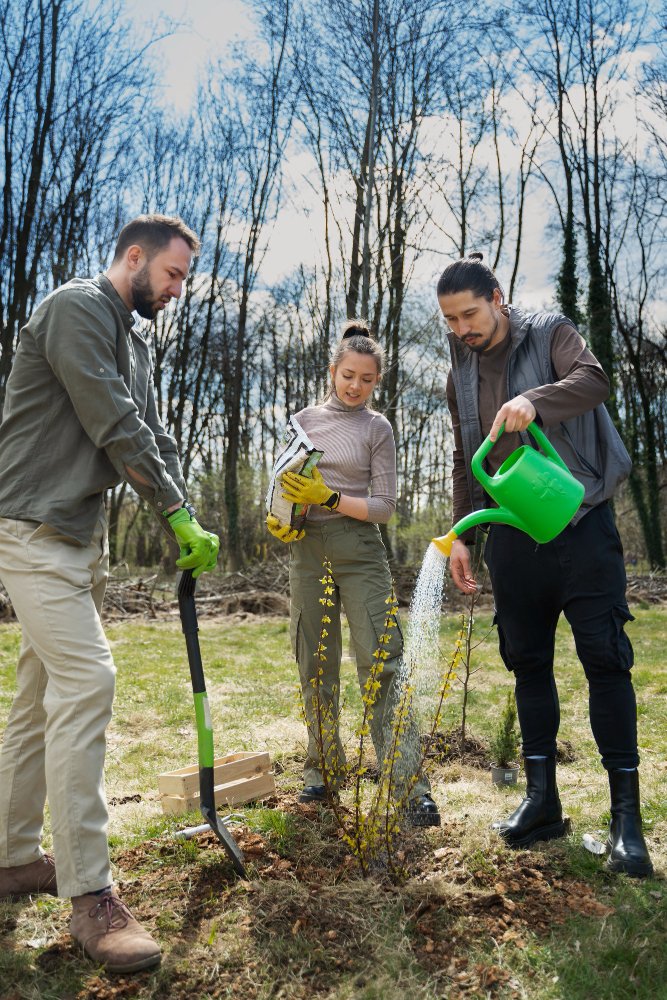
205	29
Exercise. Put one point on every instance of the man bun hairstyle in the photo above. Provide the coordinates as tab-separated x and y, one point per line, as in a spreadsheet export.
469	274
154	233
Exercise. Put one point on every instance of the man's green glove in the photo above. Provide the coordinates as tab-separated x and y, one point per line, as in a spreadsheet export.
283	531
199	548
300	489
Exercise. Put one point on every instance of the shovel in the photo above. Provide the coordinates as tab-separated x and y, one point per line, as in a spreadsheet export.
188	613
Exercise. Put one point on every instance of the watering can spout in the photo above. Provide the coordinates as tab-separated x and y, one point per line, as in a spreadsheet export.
445	542
489	515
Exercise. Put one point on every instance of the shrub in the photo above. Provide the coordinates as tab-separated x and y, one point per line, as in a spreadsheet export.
506	740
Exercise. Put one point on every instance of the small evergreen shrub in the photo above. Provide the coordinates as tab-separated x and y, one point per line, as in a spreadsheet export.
506	740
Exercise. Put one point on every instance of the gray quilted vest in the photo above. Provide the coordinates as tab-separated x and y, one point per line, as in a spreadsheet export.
589	445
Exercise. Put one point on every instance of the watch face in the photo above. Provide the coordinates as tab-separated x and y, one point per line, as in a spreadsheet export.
190	509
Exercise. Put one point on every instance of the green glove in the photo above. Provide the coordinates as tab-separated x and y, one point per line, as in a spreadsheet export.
283	531
300	489
199	548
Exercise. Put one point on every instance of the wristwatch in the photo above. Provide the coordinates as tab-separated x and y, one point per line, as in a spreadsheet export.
332	502
184	506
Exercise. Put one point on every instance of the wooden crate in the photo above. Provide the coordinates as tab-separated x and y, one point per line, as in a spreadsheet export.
238	777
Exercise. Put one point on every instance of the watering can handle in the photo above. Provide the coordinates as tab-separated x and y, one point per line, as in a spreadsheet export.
540	438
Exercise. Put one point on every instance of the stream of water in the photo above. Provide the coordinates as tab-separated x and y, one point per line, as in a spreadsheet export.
422	643
421	665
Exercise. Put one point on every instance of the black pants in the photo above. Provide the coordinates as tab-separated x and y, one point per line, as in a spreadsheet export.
580	573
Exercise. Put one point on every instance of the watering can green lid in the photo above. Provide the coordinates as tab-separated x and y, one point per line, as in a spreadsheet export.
535	492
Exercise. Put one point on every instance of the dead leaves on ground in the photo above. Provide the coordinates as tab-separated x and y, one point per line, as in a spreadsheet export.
322	911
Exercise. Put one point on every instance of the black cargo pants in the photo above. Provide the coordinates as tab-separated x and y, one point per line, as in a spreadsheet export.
580	573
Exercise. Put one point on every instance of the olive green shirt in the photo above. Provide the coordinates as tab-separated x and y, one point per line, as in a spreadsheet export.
79	409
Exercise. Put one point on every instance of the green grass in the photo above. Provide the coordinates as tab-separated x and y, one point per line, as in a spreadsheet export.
272	938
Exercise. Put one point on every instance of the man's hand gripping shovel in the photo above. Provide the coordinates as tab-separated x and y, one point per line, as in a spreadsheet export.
188	613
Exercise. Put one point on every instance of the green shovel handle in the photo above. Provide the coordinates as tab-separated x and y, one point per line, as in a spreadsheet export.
540	438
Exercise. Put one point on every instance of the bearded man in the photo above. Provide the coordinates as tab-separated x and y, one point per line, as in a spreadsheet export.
511	368
79	417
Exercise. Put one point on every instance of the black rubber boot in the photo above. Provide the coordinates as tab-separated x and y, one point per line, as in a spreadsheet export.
626	846
313	793
316	793
540	815
423	811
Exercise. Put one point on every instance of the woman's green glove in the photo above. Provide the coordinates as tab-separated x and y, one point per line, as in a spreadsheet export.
199	548
283	531
300	489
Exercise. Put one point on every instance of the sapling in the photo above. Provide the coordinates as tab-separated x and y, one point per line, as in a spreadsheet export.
466	670
505	742
371	834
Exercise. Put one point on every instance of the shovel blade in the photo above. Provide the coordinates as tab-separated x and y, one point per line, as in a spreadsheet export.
226	839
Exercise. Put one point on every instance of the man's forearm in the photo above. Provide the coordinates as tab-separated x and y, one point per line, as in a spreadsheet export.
132	474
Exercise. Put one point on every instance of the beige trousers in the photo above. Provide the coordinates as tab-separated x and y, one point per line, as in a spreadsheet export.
54	743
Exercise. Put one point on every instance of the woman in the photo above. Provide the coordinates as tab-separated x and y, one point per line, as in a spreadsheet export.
353	489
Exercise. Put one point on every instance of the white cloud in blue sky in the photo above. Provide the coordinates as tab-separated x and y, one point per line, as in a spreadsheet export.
203	29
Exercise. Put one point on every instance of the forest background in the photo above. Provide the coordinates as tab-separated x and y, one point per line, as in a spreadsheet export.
391	137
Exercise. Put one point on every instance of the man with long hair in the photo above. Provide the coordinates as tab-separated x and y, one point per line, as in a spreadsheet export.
509	369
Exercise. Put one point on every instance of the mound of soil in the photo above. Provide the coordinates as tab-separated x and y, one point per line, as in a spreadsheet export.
442	748
305	919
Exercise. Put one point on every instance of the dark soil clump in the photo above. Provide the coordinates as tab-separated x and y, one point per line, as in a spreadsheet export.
444	748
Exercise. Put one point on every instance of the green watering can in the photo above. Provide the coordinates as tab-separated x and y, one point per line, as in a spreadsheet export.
536	493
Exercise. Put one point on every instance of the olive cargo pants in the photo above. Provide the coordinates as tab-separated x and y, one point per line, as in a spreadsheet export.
362	584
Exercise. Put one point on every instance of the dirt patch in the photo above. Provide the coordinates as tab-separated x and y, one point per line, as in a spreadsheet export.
450	747
101	989
124	799
565	752
305	914
305	919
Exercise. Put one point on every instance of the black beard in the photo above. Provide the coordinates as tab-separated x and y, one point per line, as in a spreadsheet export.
479	347
142	295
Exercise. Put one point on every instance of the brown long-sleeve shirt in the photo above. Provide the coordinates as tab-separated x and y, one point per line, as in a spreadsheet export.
581	385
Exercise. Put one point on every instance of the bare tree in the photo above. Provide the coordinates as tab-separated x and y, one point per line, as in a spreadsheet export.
637	279
70	91
261	96
580	51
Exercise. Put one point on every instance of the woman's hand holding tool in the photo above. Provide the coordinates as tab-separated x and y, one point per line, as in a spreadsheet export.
283	531
300	489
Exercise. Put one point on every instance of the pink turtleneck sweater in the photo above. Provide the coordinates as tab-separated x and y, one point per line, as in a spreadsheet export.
359	455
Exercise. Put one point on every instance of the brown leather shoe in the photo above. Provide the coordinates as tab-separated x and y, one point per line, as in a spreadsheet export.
31	879
109	934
